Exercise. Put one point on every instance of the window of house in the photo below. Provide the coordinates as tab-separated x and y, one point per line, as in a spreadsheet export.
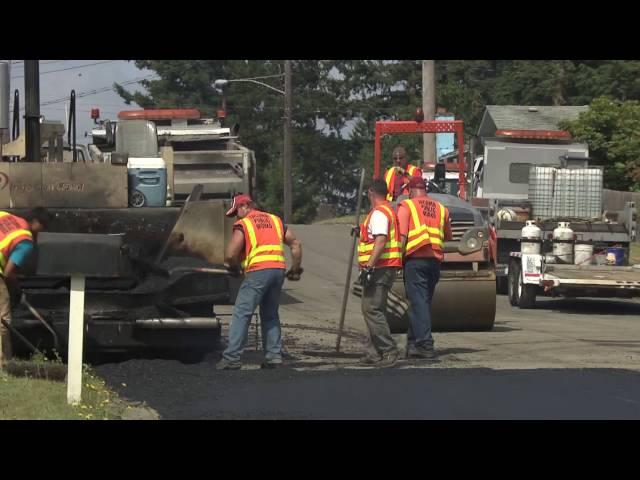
519	172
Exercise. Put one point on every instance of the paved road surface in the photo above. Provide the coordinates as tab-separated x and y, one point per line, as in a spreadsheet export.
178	391
566	359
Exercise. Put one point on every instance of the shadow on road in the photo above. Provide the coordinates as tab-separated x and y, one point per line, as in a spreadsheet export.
186	357
330	354
581	306
612	343
503	328
286	299
453	351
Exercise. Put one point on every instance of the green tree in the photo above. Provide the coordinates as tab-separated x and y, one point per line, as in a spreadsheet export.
318	117
336	105
612	130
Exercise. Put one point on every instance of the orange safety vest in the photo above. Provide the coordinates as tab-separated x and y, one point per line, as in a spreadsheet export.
390	179
392	254
263	241
13	230
426	224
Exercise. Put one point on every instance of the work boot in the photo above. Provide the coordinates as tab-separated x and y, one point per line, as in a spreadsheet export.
369	359
225	364
388	359
286	355
422	352
271	364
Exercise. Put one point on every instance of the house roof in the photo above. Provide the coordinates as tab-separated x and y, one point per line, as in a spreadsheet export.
524	117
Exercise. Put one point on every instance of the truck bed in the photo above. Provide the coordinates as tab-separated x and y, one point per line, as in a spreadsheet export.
613	276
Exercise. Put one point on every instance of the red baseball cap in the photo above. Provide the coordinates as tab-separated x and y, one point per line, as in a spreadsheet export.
238	201
417	182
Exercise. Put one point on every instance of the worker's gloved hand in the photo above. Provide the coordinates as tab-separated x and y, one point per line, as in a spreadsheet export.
355	231
234	271
366	276
294	275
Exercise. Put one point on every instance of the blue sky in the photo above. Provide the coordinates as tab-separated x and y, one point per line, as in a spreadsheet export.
59	77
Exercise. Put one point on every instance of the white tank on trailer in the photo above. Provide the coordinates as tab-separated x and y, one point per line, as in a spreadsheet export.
531	238
563	240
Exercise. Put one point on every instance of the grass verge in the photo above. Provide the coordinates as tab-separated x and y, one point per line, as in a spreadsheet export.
29	398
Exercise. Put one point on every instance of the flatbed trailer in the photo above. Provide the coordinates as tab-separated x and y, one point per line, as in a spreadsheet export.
530	276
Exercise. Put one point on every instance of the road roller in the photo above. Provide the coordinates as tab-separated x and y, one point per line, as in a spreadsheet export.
465	298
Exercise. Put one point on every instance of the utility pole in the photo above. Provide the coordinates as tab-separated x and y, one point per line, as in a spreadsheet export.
5	79
429	107
286	164
32	109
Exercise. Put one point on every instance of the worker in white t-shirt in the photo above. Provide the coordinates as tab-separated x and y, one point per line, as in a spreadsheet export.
379	257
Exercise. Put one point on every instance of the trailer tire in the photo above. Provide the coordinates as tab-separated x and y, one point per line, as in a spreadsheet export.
520	294
528	296
512	284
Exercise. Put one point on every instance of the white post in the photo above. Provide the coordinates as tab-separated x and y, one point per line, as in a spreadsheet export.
76	338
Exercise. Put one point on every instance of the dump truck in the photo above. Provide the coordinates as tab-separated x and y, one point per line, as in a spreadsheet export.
544	198
165	272
465	297
195	150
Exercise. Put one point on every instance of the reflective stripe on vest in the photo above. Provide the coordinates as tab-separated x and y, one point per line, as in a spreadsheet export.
392	254
13	230
420	232
390	179
264	242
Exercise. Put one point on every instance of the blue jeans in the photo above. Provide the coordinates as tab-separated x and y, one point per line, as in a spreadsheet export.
421	275
262	288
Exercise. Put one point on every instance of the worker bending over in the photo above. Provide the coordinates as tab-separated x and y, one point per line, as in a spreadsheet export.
17	236
257	247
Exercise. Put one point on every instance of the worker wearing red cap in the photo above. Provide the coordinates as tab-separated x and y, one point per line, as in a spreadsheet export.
257	247
424	226
397	176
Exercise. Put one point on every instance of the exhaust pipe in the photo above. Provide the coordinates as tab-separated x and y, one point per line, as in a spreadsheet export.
185	323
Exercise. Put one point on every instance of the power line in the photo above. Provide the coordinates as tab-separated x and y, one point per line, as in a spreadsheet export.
70	68
20	63
91	92
95	91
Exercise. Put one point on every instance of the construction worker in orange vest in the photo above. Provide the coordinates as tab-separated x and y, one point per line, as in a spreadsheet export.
257	247
397	177
424	227
17	235
379	257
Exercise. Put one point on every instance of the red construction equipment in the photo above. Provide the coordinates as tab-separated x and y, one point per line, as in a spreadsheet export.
468	269
431	126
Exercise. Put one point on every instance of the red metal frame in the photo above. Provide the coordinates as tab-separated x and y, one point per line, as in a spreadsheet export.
432	126
160	114
537	134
